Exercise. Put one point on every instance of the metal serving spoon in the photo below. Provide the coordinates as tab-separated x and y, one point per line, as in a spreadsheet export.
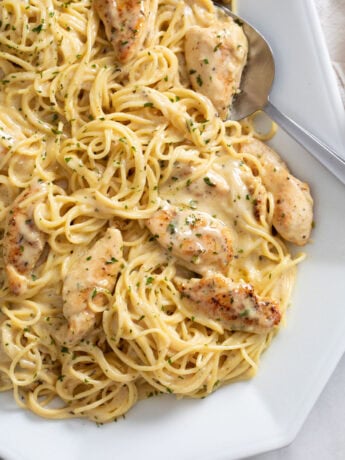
256	84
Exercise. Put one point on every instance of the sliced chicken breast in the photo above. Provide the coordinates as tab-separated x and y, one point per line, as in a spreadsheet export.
201	241
90	279
23	241
215	58
235	305
125	23
293	204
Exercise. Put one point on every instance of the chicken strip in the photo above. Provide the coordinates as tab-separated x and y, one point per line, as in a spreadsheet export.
293	204
91	277
235	305
215	58
195	237
23	241
125	23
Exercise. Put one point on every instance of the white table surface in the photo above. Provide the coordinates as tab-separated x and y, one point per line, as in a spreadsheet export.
323	434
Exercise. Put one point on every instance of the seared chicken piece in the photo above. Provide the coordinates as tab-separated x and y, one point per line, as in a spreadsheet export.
125	23
200	240
215	58
235	305
89	280
293	209
23	241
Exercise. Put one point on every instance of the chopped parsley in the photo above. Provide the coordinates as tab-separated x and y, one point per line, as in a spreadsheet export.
208	182
111	261
56	131
171	228
38	29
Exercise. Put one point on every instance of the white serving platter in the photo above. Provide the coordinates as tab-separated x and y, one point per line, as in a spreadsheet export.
268	411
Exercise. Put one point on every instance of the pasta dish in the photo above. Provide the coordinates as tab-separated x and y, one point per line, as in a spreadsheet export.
143	233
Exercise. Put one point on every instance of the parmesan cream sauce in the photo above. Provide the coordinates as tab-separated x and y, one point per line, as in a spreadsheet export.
221	192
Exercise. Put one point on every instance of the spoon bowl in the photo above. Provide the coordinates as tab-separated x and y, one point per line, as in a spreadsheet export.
256	83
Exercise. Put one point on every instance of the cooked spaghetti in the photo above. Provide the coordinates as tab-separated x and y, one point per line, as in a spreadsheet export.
94	149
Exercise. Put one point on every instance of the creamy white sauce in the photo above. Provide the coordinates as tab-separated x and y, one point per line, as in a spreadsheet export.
226	200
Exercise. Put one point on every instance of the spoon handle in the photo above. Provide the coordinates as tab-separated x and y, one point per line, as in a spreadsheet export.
322	152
